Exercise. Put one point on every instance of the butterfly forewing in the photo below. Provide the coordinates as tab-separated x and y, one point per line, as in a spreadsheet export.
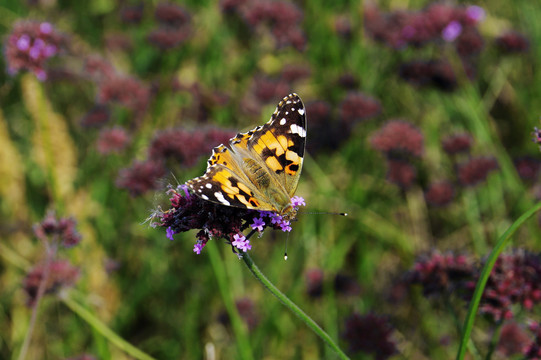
280	142
272	153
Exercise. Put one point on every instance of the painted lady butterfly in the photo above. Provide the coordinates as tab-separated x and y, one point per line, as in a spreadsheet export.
259	169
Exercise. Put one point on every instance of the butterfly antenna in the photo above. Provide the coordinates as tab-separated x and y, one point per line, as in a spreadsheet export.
323	213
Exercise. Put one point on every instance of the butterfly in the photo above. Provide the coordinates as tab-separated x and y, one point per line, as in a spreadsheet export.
259	169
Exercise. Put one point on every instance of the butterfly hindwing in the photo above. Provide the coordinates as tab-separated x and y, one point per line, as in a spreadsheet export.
221	185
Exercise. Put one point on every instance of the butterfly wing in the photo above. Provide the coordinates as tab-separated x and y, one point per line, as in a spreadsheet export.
238	175
280	143
225	183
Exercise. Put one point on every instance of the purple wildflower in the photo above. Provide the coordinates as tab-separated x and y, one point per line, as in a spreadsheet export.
285	225
297	201
241	242
45	28
275	218
258	224
537	136
451	31
23	43
169	233
198	247
475	13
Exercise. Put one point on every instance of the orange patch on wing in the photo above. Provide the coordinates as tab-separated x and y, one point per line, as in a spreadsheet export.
273	164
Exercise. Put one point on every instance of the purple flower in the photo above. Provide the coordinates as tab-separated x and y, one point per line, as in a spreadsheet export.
198	247
49	51
297	201
169	233
241	243
475	13
285	225
275	218
23	43
451	31
258	224
537	136
185	188
41	75
45	28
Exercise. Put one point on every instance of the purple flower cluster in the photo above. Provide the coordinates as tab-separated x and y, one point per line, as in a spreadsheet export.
59	230
188	212
140	177
533	350
399	29
186	147
174	26
442	274
476	170
515	280
282	18
440	193
440	24
247	311
61	273
126	91
400	141
370	334
52	274
398	137
30	45
112	140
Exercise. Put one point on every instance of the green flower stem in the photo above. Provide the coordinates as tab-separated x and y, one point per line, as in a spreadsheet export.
241	336
292	306
104	330
485	273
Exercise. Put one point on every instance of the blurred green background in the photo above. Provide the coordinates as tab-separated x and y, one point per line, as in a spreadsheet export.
196	68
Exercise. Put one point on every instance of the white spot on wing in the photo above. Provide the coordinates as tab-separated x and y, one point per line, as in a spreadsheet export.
208	186
301	111
220	197
296	129
283	121
204	197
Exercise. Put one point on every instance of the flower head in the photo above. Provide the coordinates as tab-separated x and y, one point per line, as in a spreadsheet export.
513	42
140	177
258	224
169	233
514	339
185	147
475	13
451	31
189	211
198	247
61	230
476	170
61	273
358	106
457	143
30	45
442	274
112	140
401	173
440	193
514	280
537	136
241	243
398	136
370	334
297	201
